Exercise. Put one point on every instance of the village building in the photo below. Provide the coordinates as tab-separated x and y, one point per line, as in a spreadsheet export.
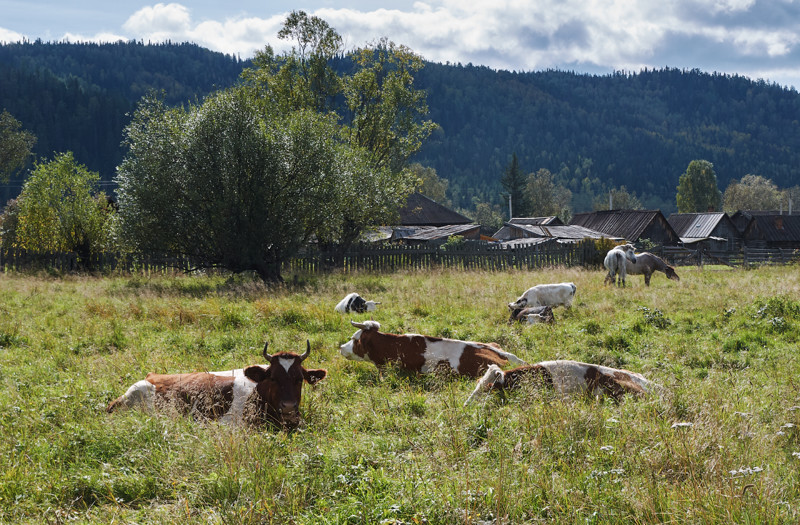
713	231
631	225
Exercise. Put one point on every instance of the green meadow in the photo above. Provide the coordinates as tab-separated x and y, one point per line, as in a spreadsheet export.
720	445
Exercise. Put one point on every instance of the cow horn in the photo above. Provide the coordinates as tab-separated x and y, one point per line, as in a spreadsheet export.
307	352
266	355
360	326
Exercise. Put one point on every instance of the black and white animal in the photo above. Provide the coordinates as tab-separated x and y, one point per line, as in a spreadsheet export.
551	295
566	377
355	303
647	263
616	263
532	315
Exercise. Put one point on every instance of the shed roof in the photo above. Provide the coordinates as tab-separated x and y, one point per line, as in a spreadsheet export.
628	224
443	232
774	228
696	225
536	221
420	210
559	231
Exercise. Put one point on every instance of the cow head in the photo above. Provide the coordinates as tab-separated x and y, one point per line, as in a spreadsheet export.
353	349
518	305
279	386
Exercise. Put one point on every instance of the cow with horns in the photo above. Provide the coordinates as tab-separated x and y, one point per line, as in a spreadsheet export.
421	353
259	393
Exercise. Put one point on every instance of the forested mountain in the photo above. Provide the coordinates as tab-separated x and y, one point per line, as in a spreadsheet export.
594	133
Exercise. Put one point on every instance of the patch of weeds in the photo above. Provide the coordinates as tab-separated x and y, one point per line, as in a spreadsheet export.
415	406
232	319
617	341
655	318
9	339
592	328
746	342
420	310
478	434
779	306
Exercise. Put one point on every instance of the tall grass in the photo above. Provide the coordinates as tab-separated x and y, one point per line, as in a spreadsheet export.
721	445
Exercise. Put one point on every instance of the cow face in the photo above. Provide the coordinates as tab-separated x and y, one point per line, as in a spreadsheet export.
518	305
279	387
354	349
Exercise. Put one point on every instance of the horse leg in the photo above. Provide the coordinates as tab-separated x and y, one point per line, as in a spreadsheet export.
647	279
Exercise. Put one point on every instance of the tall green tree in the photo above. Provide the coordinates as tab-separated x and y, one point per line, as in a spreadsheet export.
752	192
231	184
60	209
381	114
546	197
620	199
15	145
513	181
697	188
430	184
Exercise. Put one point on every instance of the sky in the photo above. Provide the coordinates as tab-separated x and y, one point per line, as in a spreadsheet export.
759	39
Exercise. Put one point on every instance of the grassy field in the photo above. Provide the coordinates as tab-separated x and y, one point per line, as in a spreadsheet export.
722	445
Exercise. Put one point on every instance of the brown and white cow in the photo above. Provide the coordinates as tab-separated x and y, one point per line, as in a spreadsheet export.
259	393
566	377
421	353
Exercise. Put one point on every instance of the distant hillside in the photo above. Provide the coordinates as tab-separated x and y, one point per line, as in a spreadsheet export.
594	132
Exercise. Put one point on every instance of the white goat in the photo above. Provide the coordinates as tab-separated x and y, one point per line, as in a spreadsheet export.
551	295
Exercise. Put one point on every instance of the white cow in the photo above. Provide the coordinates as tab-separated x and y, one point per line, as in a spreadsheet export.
615	263
551	295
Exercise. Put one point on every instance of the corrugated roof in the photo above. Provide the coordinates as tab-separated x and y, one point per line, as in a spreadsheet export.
430	234
419	210
695	225
530	241
628	224
536	221
776	228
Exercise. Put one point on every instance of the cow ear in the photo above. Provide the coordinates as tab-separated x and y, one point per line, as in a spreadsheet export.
314	376
256	373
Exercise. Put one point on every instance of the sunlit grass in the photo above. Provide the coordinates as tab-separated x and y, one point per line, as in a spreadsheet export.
721	445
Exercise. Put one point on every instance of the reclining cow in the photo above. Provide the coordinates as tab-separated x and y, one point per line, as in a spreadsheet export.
355	303
259	393
424	354
566	377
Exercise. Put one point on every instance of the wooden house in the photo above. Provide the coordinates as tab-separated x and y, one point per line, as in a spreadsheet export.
713	230
631	225
773	231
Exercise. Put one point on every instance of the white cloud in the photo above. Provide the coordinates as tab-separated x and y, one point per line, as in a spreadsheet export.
594	35
7	35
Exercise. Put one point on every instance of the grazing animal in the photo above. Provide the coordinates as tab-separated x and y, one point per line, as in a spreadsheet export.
647	263
532	315
616	262
551	295
566	377
420	353
355	303
259	393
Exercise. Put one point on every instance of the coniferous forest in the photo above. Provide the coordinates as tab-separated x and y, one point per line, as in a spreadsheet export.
594	133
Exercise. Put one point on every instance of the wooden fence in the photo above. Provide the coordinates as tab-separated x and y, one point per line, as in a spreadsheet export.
469	256
745	258
392	257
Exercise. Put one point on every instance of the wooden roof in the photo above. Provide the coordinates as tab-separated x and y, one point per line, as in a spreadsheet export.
774	228
628	224
699	225
419	210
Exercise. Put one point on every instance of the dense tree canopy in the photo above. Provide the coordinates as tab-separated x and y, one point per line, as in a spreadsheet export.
15	145
697	189
546	197
245	179
513	182
752	192
60	210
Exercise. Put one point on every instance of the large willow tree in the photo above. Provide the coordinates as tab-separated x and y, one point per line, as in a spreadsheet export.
245	179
